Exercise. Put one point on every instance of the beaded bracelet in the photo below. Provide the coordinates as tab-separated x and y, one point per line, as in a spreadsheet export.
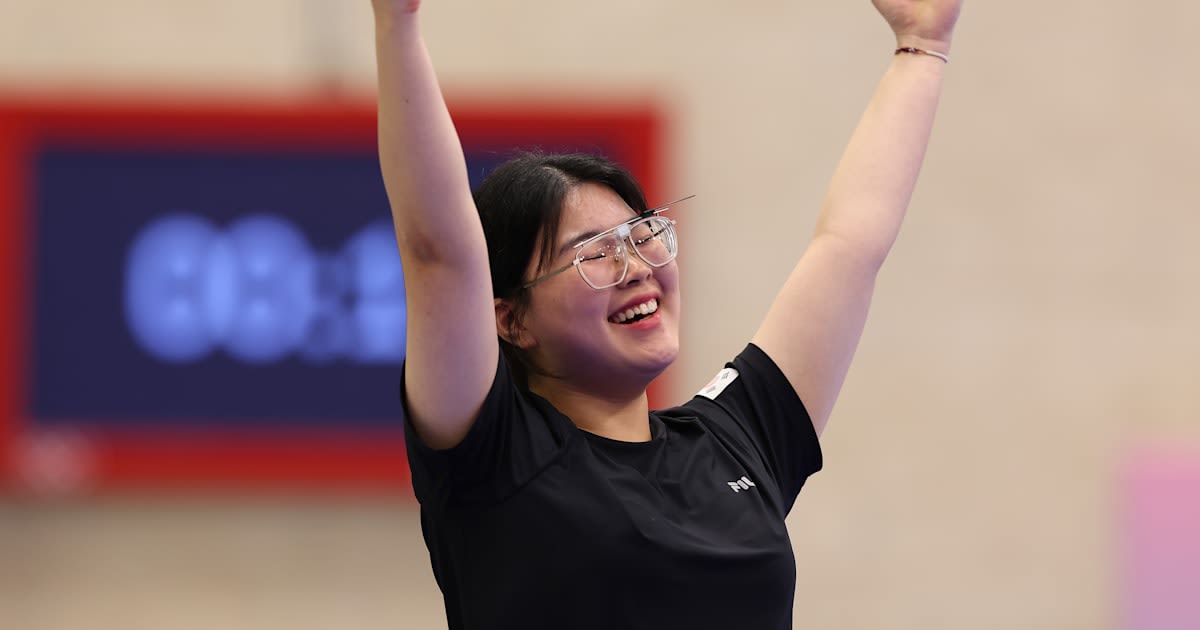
922	51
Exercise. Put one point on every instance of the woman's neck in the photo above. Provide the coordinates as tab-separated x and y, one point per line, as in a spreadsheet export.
618	417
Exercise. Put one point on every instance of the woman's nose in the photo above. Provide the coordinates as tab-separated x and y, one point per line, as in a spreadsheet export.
637	271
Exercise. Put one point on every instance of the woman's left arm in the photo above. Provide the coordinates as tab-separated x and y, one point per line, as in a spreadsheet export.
816	321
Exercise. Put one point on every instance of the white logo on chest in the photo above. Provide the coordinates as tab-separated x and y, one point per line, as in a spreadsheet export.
741	484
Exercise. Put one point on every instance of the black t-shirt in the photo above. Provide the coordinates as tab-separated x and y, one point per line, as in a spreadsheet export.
533	523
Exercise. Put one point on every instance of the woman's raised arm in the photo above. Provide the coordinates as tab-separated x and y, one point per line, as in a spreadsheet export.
816	321
451	338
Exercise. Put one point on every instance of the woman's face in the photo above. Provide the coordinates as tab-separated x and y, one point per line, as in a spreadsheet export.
584	335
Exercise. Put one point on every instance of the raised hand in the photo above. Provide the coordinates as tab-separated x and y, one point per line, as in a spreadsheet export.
927	24
396	6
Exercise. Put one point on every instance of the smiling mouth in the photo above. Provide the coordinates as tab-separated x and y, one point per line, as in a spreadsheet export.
636	313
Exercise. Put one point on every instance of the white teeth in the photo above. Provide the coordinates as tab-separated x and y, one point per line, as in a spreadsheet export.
644	308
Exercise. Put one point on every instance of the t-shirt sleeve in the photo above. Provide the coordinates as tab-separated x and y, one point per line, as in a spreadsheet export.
760	404
510	441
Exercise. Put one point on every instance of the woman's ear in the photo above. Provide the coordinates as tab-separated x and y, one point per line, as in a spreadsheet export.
508	325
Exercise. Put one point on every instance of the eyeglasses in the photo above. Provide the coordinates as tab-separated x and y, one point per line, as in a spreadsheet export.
602	260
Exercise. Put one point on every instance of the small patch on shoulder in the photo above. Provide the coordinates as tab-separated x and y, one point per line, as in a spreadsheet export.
718	383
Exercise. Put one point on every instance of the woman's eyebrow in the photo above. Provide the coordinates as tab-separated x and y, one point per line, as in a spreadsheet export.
580	237
576	239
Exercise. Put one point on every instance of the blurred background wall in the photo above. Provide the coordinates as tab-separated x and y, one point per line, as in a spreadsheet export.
1031	347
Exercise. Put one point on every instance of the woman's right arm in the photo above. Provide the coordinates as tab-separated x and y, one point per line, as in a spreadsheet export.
452	347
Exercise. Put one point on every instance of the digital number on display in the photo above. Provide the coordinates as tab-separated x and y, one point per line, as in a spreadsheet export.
259	292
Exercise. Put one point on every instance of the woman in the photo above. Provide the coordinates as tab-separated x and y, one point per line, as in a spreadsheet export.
540	310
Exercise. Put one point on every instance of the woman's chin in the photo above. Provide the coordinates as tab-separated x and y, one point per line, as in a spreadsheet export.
659	359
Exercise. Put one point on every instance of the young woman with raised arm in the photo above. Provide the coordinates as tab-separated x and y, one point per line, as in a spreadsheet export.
542	305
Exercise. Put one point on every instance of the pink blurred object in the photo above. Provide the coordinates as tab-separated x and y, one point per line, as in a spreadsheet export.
1161	537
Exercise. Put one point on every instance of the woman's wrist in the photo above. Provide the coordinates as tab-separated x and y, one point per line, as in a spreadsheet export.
911	50
942	47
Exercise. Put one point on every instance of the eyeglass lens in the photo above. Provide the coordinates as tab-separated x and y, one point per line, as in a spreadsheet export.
603	262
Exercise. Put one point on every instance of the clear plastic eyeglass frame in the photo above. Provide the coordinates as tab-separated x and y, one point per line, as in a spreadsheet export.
624	233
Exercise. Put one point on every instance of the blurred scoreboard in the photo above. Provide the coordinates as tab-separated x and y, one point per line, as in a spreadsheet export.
210	296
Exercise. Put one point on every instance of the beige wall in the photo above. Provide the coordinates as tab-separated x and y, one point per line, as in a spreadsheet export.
1035	320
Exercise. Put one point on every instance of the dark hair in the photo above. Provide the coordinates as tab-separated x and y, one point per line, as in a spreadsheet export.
520	205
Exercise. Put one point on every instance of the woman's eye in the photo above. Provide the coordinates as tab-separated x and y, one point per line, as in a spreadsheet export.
649	237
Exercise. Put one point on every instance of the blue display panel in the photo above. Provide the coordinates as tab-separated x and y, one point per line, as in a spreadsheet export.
167	282
238	288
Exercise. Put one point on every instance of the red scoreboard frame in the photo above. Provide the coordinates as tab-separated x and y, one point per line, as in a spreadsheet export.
88	460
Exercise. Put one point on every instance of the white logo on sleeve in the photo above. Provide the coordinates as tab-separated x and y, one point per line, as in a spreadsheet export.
741	484
718	383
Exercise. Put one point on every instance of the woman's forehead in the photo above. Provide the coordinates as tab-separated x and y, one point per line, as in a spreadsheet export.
592	208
